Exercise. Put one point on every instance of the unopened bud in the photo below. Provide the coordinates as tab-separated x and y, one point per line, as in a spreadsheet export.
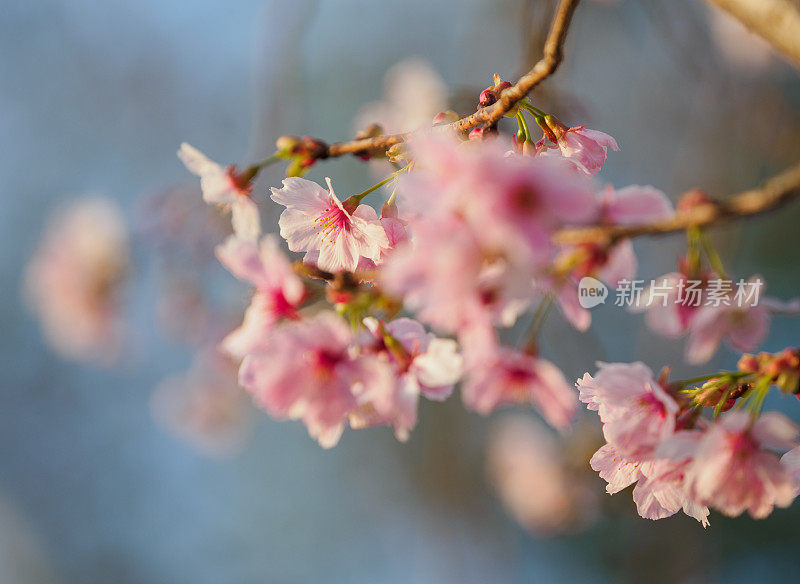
314	148
486	98
748	364
286	145
476	134
692	200
556	127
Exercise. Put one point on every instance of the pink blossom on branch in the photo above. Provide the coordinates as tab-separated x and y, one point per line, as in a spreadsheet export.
308	372
279	291
586	148
509	376
740	319
316	222
732	469
660	488
481	225
422	365
636	412
635	205
227	187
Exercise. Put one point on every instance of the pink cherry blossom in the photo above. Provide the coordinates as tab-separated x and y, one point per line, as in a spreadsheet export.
205	406
509	376
422	365
224	186
636	412
619	472
660	489
733	471
481	225
316	222
511	203
635	205
671	304
309	373
443	275
741	320
73	281
585	147
396	234
278	290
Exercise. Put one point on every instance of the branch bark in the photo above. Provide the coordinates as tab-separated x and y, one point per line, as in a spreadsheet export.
776	21
776	192
546	66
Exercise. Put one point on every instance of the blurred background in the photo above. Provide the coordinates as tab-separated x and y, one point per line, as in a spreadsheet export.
105	477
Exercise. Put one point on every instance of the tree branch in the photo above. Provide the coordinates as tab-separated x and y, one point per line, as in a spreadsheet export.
776	21
546	66
775	192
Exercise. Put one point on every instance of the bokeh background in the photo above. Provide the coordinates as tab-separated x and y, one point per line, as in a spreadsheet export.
96	97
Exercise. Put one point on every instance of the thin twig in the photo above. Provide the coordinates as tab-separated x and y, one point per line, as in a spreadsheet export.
546	66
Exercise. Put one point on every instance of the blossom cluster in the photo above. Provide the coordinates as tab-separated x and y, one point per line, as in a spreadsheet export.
386	308
678	460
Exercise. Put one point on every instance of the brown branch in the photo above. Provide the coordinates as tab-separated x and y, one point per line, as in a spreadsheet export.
546	66
775	192
776	21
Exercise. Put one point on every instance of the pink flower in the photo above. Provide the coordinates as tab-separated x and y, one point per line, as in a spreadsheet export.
308	373
509	376
526	199
481	225
585	147
635	205
636	412
671	304
396	234
743	318
443	275
618	471
422	365
316	221
660	490
733	472
278	293
511	204
224	186
73	281
205	406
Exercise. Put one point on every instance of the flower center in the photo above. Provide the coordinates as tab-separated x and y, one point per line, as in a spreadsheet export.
332	221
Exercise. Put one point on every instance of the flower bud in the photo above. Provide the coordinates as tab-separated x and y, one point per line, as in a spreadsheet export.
486	98
554	124
692	200
748	364
286	145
